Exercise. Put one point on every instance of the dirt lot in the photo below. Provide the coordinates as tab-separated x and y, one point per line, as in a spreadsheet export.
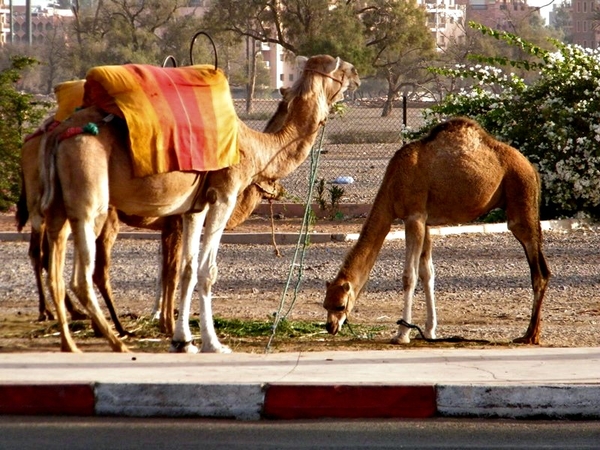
482	286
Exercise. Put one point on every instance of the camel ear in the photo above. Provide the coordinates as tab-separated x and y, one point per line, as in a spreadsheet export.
284	93
334	65
301	62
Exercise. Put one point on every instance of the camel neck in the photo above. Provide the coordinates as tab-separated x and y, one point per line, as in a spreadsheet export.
361	258
278	154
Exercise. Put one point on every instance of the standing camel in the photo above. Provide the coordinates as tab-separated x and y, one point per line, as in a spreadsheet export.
454	175
83	175
170	228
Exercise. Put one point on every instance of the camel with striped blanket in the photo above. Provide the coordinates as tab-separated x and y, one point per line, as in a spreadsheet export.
85	174
170	228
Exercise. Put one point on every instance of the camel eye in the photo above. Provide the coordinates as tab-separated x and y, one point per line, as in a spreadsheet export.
340	308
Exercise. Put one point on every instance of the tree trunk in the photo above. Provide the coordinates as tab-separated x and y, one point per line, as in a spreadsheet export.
388	106
251	73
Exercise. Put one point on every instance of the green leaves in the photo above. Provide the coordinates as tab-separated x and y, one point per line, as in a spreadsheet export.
19	114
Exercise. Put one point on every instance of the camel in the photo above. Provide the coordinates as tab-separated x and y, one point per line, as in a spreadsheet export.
28	209
83	175
454	175
170	228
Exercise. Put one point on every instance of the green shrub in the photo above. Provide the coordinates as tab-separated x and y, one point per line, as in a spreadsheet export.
19	115
554	121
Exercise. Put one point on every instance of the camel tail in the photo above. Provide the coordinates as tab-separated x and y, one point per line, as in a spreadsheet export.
48	171
22	214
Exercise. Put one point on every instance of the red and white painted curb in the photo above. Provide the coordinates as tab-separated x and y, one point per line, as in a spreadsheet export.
254	401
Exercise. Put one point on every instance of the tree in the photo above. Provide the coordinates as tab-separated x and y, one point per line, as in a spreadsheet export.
562	21
301	27
554	121
121	31
402	44
19	115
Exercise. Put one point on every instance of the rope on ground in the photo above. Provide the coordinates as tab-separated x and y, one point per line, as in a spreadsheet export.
301	245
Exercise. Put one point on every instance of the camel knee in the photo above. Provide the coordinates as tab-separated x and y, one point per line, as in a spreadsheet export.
209	276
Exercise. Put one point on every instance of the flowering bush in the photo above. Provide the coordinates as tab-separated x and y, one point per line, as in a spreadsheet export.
554	121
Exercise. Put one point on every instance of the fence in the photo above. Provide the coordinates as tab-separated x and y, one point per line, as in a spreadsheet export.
358	145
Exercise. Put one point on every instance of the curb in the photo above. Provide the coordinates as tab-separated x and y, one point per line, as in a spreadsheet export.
565	225
254	401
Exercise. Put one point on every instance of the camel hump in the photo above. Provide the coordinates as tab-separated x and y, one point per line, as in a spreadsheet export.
452	125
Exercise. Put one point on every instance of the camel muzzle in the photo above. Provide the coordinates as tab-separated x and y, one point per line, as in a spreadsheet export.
332	327
334	322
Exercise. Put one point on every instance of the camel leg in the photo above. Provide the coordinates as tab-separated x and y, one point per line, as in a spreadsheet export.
529	234
415	236
427	277
35	255
72	308
57	239
84	239
156	309
171	260
191	233
104	244
218	214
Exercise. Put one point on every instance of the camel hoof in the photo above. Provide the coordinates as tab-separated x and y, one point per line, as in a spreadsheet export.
223	349
400	340
183	347
527	340
78	315
124	334
45	316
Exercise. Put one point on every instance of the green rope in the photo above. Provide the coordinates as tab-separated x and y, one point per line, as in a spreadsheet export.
303	242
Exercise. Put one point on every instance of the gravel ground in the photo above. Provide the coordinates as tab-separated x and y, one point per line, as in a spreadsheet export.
482	285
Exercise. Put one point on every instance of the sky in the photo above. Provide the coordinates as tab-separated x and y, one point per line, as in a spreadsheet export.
546	9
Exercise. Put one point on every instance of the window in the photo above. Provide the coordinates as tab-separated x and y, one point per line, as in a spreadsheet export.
291	77
281	77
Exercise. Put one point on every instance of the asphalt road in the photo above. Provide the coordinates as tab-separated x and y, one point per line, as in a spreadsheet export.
50	433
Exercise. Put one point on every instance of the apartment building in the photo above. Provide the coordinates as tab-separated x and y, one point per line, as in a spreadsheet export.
43	21
585	22
446	20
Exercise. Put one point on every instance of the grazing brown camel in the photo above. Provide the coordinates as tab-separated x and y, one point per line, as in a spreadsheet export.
83	175
454	175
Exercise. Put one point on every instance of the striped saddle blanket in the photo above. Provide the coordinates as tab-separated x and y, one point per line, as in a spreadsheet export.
179	118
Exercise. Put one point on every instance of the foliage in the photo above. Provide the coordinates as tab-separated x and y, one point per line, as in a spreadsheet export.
335	196
554	121
301	28
401	44
19	114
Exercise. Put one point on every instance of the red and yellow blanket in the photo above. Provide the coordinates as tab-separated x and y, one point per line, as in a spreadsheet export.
69	96
178	118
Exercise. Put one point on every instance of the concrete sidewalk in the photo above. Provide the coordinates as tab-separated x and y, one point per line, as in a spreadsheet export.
522	382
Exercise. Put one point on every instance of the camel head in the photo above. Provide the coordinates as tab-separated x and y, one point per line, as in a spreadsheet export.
337	74
339	301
